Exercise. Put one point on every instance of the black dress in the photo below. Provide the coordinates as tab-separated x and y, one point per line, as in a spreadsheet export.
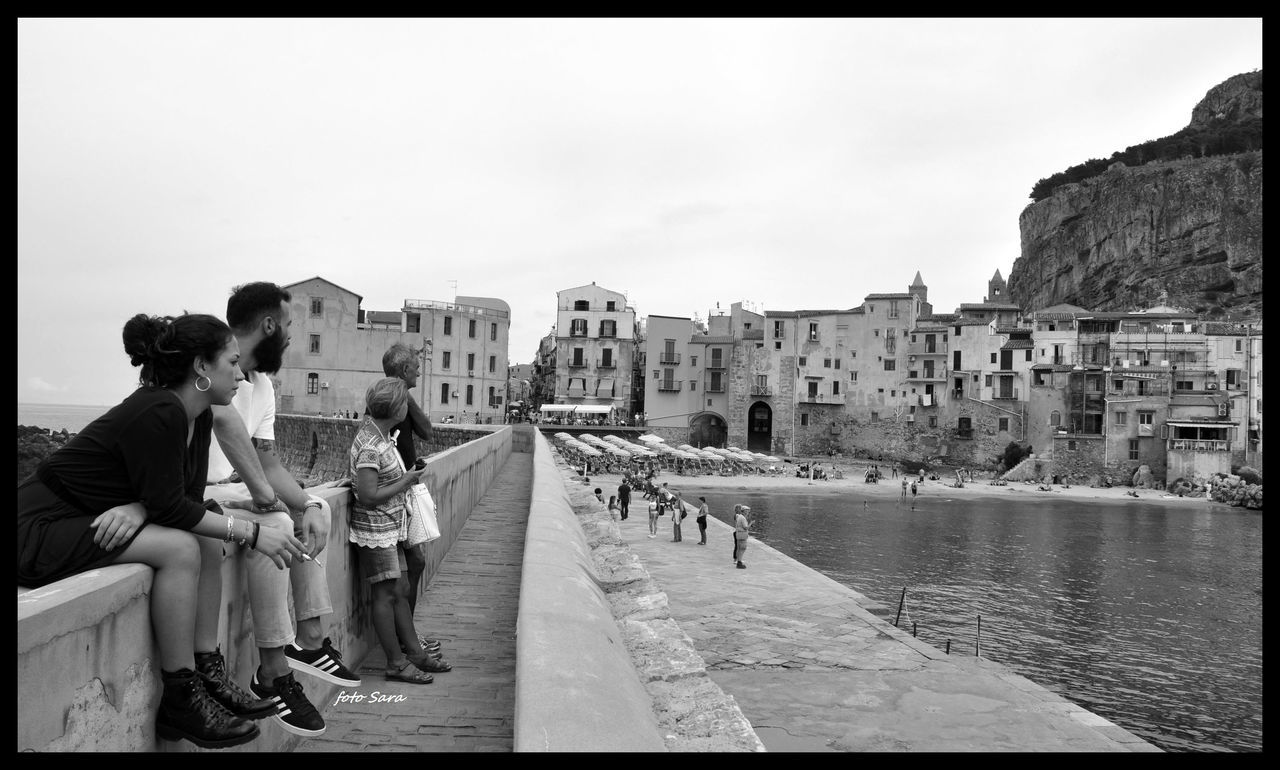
136	452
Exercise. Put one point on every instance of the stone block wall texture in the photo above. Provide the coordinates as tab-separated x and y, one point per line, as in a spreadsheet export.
88	679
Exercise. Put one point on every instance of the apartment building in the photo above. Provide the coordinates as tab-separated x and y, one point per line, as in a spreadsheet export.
595	347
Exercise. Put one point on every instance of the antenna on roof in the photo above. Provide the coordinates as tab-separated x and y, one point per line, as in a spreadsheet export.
454	284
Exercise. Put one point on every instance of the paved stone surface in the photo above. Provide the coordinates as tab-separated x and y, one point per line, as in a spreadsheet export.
814	670
471	607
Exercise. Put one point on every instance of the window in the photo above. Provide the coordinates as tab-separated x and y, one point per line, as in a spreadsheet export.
608	328
1233	379
746	327
893	308
993	358
1146	418
1028	358
1071	445
1239	346
448	324
313	383
446	359
413	322
444	392
610	306
493	332
606	357
1121	418
491	397
717	382
837	363
804	360
471	329
1003	424
777	346
804	419
778	330
693	360
826	363
890	365
471	389
717	358
317	308
581	304
893	394
835	388
875	332
655	374
693	385
933	421
875	417
987	381
813	332
853	354
1055	418
578	327
314	344
493	364
813	389
577	359
853	375
1133	449
471	364
1182	385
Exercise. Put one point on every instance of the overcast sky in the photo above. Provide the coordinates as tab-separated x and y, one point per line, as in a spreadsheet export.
790	163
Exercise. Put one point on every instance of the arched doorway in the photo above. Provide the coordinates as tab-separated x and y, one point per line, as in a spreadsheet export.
708	429
760	427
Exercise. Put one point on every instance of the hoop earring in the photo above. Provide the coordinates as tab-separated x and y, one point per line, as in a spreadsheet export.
208	384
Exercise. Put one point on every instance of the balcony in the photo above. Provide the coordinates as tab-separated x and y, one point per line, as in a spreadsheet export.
761	390
925	349
927	399
714	388
964	433
1199	445
667	357
716	363
1006	396
821	398
602	364
669	386
927	376
578	364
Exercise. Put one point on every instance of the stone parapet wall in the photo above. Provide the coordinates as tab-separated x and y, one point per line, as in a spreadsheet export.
576	687
88	679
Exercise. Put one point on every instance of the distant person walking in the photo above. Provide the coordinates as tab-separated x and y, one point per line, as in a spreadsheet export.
702	520
903	498
913	495
655	509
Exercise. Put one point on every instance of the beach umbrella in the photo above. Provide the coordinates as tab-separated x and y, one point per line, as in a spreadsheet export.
649	438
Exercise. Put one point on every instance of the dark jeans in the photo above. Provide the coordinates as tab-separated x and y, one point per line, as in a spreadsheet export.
702	528
624	505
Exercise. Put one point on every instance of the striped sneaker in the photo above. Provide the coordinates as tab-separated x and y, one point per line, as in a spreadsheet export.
325	663
293	711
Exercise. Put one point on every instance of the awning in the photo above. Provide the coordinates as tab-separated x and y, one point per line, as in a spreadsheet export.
593	409
558	407
604	386
1181	424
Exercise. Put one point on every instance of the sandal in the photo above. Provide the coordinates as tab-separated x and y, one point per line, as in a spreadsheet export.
408	673
431	663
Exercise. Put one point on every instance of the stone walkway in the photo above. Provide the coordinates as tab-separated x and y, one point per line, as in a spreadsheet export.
471	607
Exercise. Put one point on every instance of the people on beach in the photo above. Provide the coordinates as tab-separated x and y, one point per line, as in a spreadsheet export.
260	316
741	526
379	522
129	488
703	510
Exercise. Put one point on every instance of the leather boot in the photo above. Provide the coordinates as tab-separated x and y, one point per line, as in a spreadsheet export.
187	711
213	670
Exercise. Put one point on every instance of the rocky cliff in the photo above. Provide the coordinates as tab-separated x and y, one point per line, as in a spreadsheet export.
1191	227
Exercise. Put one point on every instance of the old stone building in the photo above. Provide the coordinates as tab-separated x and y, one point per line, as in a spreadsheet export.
595	345
337	348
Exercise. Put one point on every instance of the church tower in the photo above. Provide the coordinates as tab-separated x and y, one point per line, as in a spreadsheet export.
995	289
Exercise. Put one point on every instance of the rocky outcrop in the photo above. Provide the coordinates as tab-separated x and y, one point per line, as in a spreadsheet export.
1191	227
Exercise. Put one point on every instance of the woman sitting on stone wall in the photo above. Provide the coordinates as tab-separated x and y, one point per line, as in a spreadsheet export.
80	510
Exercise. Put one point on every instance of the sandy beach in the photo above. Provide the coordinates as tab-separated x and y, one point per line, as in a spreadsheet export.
890	488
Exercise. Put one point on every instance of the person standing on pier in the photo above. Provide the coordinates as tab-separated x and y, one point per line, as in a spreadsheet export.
678	513
702	520
741	526
655	510
624	498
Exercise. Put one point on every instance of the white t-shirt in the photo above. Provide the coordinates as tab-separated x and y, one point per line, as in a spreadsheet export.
255	402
